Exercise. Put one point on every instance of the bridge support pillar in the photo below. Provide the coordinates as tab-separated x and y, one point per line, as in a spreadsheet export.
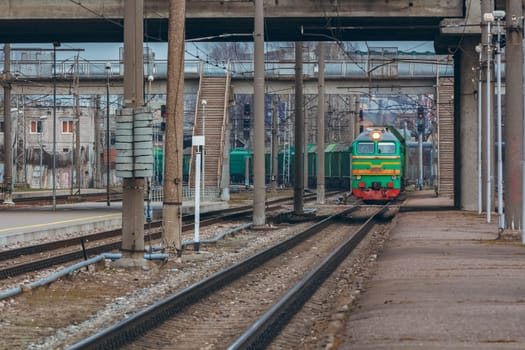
513	119
468	124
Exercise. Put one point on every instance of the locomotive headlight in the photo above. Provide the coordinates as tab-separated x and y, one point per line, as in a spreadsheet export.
394	177
376	135
358	177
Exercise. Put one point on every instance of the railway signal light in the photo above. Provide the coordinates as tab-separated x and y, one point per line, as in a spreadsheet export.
246	116
361	120
247	110
420	119
420	113
163	114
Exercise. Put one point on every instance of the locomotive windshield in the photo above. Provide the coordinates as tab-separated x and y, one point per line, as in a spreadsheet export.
365	147
386	147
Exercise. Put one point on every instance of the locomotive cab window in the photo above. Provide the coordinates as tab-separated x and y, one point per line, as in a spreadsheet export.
365	148
386	147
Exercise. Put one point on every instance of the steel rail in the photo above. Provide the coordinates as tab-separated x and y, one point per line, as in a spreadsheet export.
155	233
266	328
60	244
139	323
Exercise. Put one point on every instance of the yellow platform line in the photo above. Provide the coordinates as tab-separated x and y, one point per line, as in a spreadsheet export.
58	222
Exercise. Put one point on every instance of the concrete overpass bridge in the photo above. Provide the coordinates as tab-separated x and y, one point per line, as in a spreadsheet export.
455	26
24	21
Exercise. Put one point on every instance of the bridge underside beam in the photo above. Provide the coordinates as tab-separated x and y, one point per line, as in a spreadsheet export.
221	29
27	21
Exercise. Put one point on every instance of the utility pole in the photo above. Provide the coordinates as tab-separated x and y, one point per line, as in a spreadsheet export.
20	151
172	205
259	195
298	202
76	125
320	126
305	152
8	167
275	143
96	150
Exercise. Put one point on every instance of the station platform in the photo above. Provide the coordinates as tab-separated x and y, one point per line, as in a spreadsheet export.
442	281
21	224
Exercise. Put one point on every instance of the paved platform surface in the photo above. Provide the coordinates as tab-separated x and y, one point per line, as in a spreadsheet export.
30	223
443	281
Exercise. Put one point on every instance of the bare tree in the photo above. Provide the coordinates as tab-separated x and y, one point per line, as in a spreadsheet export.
222	52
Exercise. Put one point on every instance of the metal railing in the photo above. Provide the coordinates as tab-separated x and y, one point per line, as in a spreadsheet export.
358	68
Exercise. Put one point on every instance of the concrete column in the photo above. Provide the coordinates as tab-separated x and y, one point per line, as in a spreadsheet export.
133	188
468	124
513	118
259	194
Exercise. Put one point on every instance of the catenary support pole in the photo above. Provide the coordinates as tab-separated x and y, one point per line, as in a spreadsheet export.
320	126
488	189
523	132
501	218
108	155
275	142
8	167
479	50
54	169
420	158
259	196
97	118
299	121
197	211
133	188
522	223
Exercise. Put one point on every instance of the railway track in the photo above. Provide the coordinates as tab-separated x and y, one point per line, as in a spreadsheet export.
31	255
247	288
66	198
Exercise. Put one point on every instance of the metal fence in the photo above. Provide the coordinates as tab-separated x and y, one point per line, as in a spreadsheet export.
358	68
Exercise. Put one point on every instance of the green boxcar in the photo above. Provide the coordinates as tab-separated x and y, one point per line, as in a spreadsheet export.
337	166
238	164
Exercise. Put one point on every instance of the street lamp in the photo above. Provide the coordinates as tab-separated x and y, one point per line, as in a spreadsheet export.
479	50
55	45
499	15
203	102
488	18
108	73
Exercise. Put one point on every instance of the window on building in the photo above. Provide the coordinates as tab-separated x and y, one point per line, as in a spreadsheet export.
67	126
36	127
2	127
